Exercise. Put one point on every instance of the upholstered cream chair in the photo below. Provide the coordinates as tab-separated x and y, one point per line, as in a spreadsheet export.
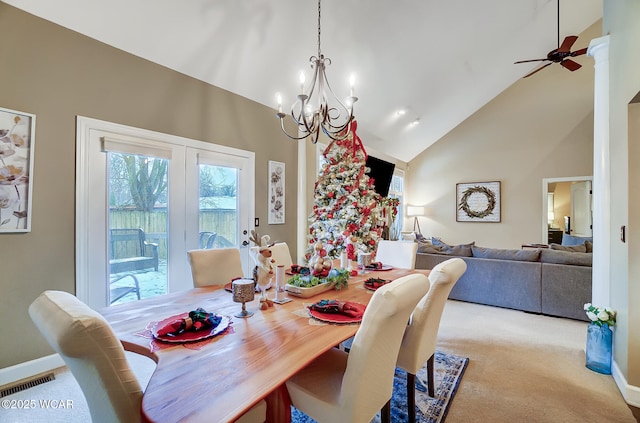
96	358
216	266
90	349
279	252
419	341
400	254
352	387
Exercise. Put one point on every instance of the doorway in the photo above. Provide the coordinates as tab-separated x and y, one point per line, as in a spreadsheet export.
143	199
567	206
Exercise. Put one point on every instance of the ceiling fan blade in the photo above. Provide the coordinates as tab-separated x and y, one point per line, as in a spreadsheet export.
579	52
567	43
532	60
570	64
537	70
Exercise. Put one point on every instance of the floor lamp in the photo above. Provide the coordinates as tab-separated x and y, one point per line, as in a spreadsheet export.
415	211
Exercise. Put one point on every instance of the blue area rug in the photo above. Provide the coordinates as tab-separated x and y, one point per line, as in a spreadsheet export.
448	372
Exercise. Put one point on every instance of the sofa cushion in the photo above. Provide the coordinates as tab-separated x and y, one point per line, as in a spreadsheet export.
461	250
500	254
566	257
575	240
582	248
589	245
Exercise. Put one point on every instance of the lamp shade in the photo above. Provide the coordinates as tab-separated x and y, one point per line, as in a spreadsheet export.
415	210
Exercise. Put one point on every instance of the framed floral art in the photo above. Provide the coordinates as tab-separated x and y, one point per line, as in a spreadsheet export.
276	192
17	137
478	202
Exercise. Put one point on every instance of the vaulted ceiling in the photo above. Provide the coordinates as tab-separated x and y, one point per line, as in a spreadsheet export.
439	60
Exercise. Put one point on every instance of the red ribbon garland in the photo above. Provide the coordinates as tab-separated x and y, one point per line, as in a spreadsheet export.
356	142
356	145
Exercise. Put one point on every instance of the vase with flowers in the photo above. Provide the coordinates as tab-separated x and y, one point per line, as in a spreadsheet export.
599	338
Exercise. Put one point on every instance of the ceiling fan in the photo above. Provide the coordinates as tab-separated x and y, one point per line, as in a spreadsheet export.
561	54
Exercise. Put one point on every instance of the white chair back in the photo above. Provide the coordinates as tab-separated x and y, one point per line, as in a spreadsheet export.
419	341
400	254
368	380
216	266
93	353
280	253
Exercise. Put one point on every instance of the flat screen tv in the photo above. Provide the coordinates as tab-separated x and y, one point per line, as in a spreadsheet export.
381	173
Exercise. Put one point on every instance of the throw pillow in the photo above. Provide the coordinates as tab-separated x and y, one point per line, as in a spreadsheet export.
574	240
427	247
502	254
582	248
462	250
589	245
566	257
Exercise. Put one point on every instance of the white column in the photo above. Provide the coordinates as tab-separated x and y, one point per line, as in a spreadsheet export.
302	224
599	50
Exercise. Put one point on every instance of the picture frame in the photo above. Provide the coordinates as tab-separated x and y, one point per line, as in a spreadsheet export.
17	141
478	202
276	195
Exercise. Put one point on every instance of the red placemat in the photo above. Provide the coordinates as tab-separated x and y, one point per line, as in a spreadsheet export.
334	317
156	344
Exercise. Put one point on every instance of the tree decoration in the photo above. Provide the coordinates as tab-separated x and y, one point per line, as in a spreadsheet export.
346	209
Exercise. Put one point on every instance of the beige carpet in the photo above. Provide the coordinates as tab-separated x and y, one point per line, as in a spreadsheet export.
522	368
525	368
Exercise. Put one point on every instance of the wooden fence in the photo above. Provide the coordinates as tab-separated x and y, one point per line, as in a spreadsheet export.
154	224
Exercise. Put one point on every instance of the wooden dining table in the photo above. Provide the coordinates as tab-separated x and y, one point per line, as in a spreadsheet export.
229	373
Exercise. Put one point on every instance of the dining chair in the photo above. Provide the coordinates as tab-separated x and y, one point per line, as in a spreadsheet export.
400	254
419	341
352	387
96	358
217	266
280	253
93	353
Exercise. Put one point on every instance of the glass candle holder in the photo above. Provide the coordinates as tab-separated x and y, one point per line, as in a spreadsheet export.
243	292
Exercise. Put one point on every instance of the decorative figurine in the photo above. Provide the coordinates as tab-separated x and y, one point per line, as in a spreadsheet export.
264	272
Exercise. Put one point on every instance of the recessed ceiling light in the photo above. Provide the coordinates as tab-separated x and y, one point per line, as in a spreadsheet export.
401	112
415	122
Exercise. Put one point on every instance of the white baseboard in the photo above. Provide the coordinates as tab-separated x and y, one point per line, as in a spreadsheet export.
630	393
28	369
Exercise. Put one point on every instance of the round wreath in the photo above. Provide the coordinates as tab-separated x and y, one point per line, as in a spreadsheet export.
491	202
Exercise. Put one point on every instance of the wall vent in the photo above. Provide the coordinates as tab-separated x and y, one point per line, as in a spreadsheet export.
26	384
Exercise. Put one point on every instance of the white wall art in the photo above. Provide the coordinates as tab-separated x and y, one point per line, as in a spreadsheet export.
17	137
276	192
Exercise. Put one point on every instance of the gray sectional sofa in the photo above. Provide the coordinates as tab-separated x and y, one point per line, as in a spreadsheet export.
555	282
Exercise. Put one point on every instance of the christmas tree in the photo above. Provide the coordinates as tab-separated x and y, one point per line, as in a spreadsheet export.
346	208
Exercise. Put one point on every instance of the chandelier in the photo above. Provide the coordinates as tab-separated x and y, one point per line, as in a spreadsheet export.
331	115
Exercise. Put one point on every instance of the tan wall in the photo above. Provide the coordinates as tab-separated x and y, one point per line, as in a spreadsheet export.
540	127
58	74
621	19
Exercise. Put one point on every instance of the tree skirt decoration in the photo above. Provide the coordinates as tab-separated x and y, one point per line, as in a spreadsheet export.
346	208
448	373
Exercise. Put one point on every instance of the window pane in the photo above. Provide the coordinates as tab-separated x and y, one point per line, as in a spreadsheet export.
137	193
218	206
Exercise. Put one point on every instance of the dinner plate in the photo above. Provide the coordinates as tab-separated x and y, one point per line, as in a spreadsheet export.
334	317
371	288
229	288
383	268
189	336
